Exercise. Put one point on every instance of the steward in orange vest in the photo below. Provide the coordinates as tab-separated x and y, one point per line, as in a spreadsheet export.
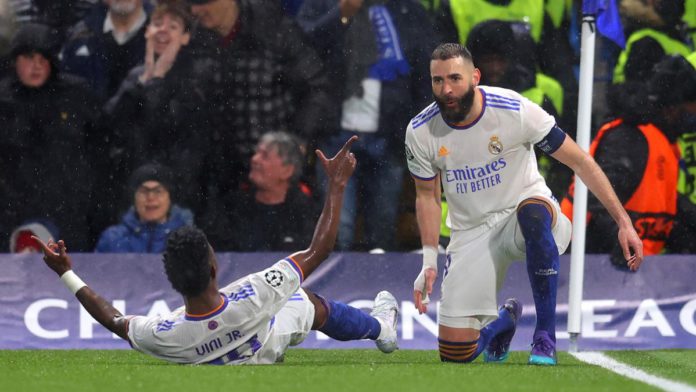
643	165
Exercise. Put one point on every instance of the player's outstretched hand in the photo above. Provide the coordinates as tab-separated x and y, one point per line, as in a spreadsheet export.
55	255
339	168
632	247
422	288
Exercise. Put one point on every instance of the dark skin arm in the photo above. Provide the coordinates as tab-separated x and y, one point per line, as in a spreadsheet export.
338	170
57	259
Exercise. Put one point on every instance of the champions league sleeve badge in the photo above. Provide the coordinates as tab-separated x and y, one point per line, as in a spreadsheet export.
274	278
495	147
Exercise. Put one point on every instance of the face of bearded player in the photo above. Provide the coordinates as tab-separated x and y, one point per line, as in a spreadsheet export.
453	82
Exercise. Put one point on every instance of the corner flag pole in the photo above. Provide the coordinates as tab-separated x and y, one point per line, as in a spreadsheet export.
577	252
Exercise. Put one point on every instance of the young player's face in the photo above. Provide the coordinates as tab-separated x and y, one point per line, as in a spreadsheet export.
33	69
152	202
267	168
454	81
167	30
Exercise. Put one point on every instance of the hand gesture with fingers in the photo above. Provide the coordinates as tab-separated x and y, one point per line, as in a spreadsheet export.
55	255
632	247
339	168
149	58
166	60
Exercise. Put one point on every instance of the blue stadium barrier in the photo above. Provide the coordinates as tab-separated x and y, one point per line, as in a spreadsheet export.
653	308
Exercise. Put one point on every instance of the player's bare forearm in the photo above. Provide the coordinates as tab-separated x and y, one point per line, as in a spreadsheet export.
597	182
592	175
428	211
103	312
338	169
325	232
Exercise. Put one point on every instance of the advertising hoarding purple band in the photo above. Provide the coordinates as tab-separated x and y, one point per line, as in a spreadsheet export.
654	308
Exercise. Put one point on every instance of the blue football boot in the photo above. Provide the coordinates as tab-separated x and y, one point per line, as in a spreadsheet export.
499	347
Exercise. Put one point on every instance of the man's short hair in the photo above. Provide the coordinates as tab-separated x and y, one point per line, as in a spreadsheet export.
174	8
451	50
187	261
289	150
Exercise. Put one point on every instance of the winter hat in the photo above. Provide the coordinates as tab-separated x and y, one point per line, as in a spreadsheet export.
21	241
152	172
35	37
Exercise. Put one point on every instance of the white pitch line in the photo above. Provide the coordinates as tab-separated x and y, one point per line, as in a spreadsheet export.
599	359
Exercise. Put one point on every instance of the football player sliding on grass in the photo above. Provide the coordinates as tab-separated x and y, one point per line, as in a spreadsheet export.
252	320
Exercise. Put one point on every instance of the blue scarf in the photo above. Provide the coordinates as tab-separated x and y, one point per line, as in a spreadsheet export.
390	59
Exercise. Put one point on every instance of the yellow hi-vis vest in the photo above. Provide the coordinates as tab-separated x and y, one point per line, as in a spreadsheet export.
445	231
686	184
669	45
557	9
546	86
692	59
469	13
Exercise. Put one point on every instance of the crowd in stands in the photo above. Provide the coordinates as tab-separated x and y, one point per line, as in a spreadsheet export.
122	120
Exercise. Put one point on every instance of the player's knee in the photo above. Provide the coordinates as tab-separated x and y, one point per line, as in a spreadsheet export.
534	220
460	352
533	214
321	312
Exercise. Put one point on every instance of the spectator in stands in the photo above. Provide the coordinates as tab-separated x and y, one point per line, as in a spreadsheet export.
269	78
653	28
276	212
545	20
106	44
46	120
684	232
637	152
506	54
21	241
160	112
153	215
378	54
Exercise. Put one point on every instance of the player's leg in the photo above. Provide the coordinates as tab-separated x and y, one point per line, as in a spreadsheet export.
536	217
468	317
465	344
343	322
291	326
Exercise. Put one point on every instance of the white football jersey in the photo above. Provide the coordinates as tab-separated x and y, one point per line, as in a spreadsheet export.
485	167
234	333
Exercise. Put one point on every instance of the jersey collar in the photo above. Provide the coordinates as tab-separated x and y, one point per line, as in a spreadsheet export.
199	317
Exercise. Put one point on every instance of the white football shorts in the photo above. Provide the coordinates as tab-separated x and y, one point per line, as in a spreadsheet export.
477	261
291	326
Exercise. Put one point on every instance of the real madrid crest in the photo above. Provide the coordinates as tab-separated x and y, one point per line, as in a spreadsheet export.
495	147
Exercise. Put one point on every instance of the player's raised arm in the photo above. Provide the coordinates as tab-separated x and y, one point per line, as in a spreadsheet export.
338	170
56	257
592	175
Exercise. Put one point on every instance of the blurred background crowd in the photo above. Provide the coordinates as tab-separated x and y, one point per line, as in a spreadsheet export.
121	120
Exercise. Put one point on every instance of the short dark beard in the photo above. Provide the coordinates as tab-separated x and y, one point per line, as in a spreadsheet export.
458	114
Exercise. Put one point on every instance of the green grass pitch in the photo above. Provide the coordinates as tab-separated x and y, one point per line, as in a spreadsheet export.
328	371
